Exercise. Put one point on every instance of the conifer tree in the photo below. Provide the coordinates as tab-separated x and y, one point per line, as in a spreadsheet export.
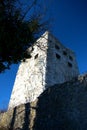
18	31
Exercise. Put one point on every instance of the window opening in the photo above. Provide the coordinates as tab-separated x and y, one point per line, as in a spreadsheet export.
36	56
64	53
69	64
70	57
58	56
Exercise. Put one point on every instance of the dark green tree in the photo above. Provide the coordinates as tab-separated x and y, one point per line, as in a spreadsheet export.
20	26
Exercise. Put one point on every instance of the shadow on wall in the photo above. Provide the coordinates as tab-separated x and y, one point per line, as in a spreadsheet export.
26	117
61	107
14	120
52	113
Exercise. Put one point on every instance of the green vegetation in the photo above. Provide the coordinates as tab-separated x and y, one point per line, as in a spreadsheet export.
20	25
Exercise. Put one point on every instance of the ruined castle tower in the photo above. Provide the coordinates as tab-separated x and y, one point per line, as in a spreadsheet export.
50	63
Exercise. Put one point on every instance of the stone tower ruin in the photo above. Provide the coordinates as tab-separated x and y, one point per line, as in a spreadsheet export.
50	63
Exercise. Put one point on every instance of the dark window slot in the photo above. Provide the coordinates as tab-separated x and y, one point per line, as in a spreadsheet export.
69	64
58	56
70	57
64	53
36	56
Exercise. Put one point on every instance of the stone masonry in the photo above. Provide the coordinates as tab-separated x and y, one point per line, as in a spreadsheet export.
60	107
50	63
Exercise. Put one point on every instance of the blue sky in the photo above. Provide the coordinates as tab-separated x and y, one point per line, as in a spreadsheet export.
69	26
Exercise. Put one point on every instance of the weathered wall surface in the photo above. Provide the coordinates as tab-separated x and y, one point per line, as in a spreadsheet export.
61	107
50	63
61	63
30	79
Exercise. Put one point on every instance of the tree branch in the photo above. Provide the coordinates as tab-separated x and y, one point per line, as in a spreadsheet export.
28	9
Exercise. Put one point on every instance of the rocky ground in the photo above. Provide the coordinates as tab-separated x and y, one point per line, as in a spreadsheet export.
60	107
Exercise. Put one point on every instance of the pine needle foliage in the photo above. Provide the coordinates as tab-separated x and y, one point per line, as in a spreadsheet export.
17	32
